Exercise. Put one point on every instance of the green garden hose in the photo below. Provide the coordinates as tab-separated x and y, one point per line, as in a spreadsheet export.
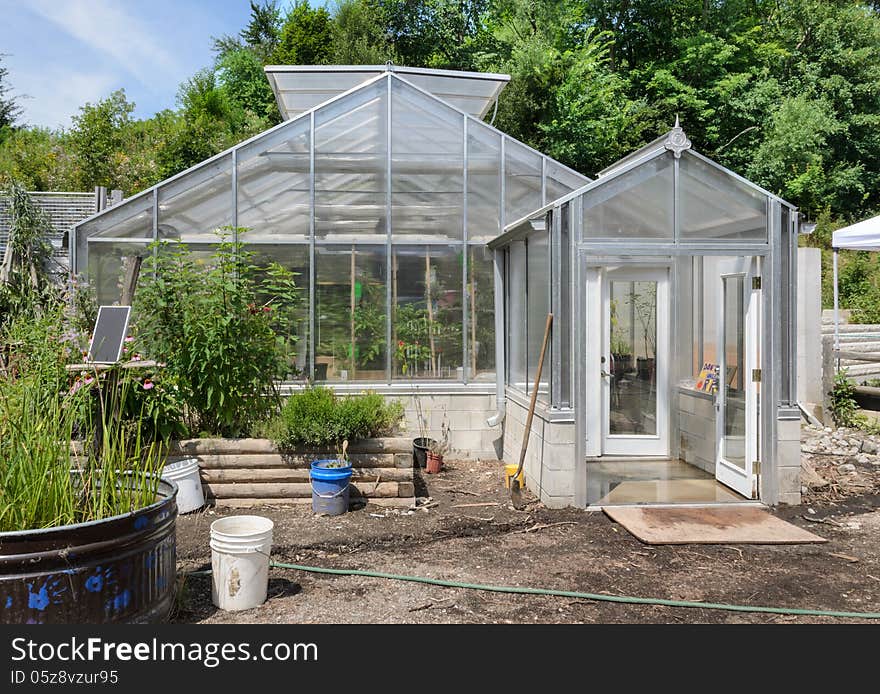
575	594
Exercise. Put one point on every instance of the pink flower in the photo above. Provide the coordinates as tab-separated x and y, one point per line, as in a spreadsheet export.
129	339
136	357
148	384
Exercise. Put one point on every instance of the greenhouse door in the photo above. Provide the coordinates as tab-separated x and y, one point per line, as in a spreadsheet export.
634	362
736	397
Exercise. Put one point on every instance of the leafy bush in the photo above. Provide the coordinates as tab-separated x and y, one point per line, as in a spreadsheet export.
316	417
843	404
225	331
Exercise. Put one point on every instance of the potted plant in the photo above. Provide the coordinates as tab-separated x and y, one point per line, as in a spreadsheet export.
438	449
423	443
646	309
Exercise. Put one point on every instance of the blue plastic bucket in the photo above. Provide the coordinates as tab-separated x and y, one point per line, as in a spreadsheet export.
330	487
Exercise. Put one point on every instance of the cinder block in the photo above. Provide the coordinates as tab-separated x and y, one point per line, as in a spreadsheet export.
788	454
557	483
556	501
403	460
560	433
559	457
788	430
790	498
460	421
789	480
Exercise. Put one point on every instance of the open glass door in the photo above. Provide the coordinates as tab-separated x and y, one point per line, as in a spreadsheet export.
736	403
635	362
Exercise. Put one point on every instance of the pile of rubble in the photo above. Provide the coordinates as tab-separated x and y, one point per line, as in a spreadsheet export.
839	462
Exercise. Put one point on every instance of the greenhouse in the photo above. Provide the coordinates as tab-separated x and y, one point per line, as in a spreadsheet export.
380	189
430	247
671	376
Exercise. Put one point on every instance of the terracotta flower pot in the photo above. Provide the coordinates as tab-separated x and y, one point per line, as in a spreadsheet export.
434	463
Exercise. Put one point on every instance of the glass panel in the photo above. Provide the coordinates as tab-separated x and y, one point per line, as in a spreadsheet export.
484	183
481	298
426	294
193	207
637	204
516	315
106	271
350	164
561	180
522	181
733	443
350	313
273	185
715	206
633	406
538	297
130	219
427	169
290	319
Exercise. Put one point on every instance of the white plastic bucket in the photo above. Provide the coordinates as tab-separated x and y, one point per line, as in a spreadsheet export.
190	496
240	547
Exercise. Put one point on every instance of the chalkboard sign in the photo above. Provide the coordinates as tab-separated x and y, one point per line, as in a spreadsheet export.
110	330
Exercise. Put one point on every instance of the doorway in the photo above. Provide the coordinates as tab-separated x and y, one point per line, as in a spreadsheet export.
629	364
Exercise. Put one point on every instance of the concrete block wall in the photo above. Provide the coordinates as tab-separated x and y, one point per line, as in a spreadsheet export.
550	459
696	418
788	460
469	434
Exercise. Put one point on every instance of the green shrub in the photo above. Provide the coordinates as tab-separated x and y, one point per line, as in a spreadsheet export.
316	417
843	404
224	329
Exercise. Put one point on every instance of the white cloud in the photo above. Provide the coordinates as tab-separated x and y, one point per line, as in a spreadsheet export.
106	27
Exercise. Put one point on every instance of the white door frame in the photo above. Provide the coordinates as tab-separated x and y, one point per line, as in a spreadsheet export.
598	387
741	480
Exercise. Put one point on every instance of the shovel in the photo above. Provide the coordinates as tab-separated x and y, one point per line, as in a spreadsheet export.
515	488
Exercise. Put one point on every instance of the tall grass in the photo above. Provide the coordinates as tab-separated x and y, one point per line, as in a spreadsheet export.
44	483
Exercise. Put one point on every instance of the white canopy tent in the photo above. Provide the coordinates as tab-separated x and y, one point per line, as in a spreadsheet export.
863	236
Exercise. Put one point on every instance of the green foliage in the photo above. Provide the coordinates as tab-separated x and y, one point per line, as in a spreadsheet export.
315	416
306	36
241	77
96	139
25	282
37	489
843	404
214	328
359	36
10	109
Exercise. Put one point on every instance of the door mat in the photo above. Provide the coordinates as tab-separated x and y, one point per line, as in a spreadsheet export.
729	525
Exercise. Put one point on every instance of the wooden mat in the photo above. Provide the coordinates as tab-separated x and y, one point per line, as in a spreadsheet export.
716	525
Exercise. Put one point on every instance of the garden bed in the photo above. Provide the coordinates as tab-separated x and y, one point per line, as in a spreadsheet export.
251	472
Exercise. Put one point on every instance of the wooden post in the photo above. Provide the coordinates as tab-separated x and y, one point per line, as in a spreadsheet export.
351	314
430	313
129	284
473	327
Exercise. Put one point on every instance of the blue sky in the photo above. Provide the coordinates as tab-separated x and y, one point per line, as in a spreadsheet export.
64	53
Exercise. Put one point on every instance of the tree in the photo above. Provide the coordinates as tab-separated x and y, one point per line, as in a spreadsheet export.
97	138
306	36
9	108
359	34
240	75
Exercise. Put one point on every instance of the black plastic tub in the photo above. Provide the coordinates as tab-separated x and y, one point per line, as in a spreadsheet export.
120	569
420	451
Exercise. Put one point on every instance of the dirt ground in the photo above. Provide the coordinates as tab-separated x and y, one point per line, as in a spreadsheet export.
471	533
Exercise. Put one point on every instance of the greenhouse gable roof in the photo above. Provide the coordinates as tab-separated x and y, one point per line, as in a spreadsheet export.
299	88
